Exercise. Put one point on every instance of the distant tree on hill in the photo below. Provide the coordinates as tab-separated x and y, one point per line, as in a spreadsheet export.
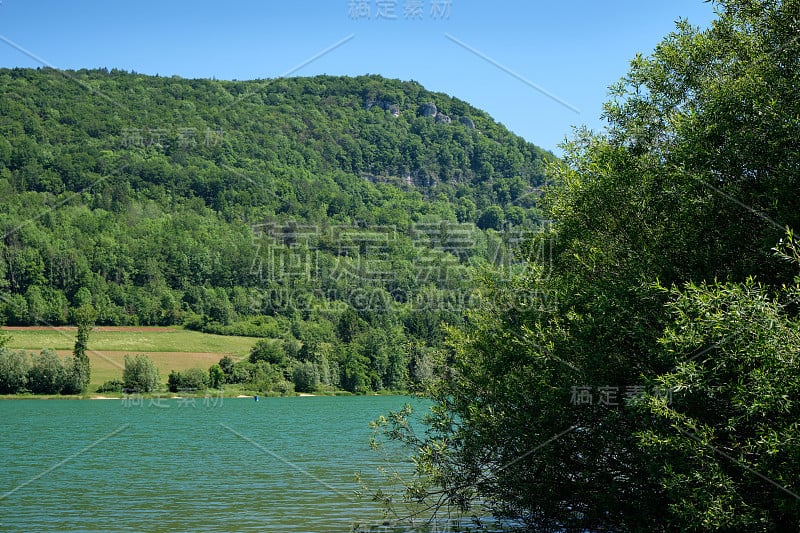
492	218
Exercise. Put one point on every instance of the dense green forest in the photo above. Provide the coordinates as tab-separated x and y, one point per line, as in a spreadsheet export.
345	218
659	389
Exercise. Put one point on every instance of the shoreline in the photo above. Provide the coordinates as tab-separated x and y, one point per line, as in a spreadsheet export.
172	396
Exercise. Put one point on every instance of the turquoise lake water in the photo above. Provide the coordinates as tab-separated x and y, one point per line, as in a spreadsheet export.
280	464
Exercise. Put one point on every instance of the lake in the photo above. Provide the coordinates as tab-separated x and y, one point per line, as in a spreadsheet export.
280	464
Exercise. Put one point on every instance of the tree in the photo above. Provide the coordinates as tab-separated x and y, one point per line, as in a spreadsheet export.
81	367
47	373
689	189
140	374
196	378
726	438
492	218
216	377
266	377
355	377
174	381
14	369
268	350
226	364
190	380
305	377
515	215
349	325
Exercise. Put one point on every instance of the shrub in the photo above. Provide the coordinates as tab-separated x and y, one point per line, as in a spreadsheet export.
140	374
114	385
190	380
14	368
47	374
216	377
268	350
305	377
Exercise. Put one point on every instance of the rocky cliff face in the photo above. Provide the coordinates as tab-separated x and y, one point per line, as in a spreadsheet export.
383	103
430	110
466	121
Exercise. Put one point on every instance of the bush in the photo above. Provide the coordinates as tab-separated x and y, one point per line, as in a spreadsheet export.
140	374
114	385
242	372
174	381
268	350
47	374
190	380
74	377
226	365
305	377
14	368
283	387
216	377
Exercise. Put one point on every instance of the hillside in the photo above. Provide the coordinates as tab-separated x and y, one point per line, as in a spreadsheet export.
344	216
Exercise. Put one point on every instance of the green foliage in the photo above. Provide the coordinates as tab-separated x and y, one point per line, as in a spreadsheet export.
216	377
492	218
47	374
268	350
349	325
14	370
140	374
265	377
173	233
305	377
355	373
226	364
242	372
313	215
81	367
193	379
728	442
113	385
689	189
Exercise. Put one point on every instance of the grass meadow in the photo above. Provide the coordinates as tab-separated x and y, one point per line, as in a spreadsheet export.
170	348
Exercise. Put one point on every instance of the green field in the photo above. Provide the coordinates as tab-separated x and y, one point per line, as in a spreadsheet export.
170	348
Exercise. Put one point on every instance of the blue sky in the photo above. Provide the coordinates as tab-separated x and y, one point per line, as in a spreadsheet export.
499	56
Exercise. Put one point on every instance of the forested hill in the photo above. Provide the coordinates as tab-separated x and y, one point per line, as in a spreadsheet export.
253	206
61	132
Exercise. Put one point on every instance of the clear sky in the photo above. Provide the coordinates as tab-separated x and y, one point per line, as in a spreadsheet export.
537	66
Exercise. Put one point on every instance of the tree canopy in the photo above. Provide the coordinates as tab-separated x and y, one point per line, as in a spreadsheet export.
268	208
